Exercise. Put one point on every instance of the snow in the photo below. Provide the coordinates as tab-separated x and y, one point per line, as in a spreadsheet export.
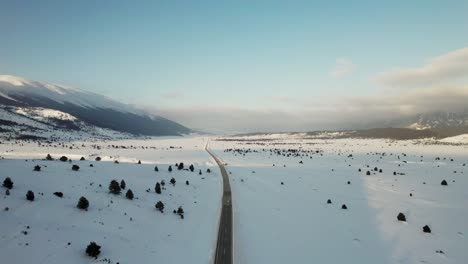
149	237
460	139
14	80
273	223
44	113
292	223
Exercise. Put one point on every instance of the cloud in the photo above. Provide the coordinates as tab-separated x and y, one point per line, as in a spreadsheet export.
343	67
448	68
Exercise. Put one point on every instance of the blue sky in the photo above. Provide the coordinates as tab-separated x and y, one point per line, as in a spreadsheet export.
247	54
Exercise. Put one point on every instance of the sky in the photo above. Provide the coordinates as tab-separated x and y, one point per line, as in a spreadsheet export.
246	65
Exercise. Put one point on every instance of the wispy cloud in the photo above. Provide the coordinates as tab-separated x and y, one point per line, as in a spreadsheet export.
343	66
447	68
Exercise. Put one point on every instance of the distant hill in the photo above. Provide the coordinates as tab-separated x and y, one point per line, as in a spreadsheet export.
90	108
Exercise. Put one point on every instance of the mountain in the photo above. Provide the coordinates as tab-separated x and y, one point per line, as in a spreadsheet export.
87	107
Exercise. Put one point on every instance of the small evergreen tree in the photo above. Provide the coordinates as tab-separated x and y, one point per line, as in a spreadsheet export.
129	194
187	182
199	172
93	250
181	166
8	183
191	168
173	181
75	167
156	168
157	188
37	168
49	157
170	168
139	162
163	183
114	187
82	159
83	203
30	196
63	158
208	170
160	206
122	184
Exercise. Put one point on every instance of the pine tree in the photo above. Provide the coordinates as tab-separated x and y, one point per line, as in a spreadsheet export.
8	183
49	157
83	203
122	184
129	194
93	250
170	168
157	188
181	166
114	187
160	206
75	167
191	168
173	181
156	168
37	168
30	196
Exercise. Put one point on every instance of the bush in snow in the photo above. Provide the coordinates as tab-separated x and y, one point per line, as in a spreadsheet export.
191	168
49	157
114	187
83	203
160	206
58	194
344	207
63	158
75	167
97	159
129	194
8	183
187	182
93	250
426	229
329	201
181	166
163	183
37	168
156	168
170	168
368	173
401	217
173	181
444	183
30	196
122	184
208	170
199	172
139	162
157	188
82	159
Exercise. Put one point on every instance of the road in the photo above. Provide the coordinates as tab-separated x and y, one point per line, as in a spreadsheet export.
223	253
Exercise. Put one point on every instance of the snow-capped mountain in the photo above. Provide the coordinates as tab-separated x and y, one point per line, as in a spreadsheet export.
439	120
83	106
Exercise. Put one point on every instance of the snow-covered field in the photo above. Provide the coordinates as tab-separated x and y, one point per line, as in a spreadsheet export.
53	230
292	223
273	222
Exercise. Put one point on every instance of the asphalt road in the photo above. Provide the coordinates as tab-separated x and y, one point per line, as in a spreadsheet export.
223	253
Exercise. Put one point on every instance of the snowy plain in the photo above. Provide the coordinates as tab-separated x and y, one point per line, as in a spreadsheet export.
273	222
53	230
292	222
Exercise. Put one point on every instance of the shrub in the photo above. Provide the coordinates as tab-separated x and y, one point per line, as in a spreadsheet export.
63	158
58	194
444	183
122	184
30	196
368	173
93	250
160	206
170	168
191	168
180	210
173	181
199	172
82	158
181	166
97	159
139	162
75	167
8	183
114	187
49	157
426	229
157	188
37	168
156	168
187	182
344	207
83	203
208	170
129	194
401	217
